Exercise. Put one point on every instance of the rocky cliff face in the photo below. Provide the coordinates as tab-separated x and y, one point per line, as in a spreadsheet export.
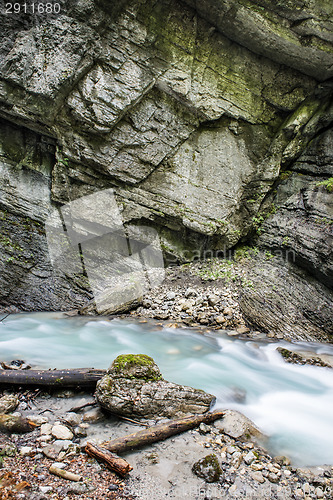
189	110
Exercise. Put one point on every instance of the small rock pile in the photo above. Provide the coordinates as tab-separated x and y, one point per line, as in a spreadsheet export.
241	468
199	305
29	460
227	458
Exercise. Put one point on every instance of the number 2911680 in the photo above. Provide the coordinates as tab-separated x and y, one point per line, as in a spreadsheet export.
32	8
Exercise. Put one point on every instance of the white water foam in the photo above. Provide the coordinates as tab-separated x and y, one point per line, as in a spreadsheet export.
293	404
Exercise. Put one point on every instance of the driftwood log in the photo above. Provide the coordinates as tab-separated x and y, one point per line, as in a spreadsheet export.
160	432
81	377
115	463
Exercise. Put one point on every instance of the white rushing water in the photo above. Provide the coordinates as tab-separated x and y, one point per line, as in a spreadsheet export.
293	404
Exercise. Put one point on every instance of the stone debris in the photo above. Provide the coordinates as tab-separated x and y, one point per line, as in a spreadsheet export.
200	305
233	466
246	466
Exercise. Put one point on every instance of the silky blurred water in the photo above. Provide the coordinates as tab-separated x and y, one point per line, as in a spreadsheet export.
293	404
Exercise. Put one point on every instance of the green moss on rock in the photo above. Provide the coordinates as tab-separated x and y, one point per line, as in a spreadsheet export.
133	366
208	468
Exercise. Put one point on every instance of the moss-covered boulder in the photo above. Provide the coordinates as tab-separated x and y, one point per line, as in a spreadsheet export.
134	387
208	468
135	366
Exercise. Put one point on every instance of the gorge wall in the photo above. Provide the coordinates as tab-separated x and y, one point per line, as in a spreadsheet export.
211	120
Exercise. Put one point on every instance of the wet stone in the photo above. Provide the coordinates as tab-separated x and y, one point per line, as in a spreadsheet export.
72	418
204	428
8	403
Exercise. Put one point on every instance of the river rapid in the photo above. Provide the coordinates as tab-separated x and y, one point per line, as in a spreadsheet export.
292	404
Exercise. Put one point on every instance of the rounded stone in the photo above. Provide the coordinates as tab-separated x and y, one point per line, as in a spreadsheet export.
208	468
257	476
62	432
72	418
26	450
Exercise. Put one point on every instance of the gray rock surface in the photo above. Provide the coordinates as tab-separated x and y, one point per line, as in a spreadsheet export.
188	110
286	301
134	387
237	426
302	226
278	30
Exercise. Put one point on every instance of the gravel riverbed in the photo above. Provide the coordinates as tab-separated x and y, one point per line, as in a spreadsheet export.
162	470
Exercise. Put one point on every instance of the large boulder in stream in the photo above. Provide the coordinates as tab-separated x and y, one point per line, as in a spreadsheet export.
134	387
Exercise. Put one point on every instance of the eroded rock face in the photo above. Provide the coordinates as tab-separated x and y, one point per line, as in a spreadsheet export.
134	387
286	300
187	110
302	225
296	33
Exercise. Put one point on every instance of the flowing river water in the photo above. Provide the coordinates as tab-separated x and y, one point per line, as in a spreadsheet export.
292	404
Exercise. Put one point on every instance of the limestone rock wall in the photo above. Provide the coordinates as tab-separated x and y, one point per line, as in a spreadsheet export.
302	225
189	110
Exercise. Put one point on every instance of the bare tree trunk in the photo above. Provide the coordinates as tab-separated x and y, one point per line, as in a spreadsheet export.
77	377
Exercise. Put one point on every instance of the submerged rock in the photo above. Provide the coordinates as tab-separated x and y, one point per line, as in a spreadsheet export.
134	387
303	358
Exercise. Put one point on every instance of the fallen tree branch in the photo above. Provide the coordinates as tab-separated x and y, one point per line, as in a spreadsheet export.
76	409
133	421
115	463
160	432
64	473
81	377
6	316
